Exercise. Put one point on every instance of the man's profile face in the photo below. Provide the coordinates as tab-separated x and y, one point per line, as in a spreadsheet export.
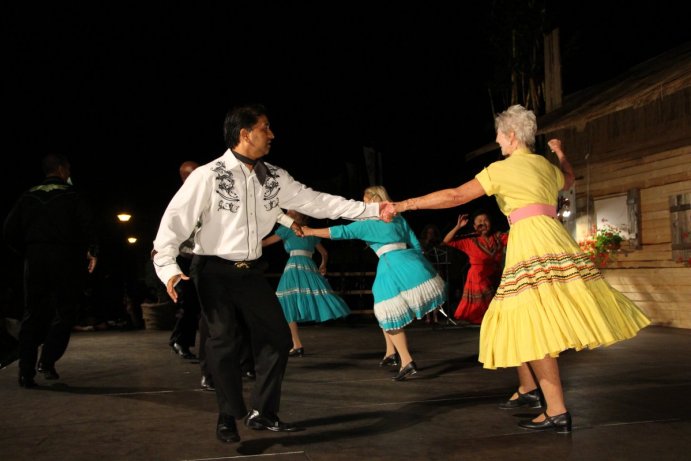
260	136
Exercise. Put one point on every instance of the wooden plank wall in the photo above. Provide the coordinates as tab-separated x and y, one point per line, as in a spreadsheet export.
648	276
644	144
663	293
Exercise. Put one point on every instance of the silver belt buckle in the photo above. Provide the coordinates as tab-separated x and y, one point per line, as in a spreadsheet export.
242	265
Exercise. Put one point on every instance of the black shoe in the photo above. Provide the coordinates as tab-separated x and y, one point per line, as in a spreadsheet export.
27	382
183	351
299	352
207	384
226	430
560	423
392	360
408	370
48	371
255	420
249	375
532	399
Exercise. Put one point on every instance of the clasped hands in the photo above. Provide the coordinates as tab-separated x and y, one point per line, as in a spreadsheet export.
387	211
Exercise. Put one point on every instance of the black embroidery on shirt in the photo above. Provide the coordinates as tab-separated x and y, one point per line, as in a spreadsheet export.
271	188
226	188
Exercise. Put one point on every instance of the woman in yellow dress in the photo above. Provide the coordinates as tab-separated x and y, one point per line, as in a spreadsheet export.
551	297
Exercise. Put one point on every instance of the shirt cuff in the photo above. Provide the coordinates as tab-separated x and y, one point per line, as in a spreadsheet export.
285	220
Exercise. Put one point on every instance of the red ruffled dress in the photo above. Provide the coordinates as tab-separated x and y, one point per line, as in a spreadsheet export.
486	257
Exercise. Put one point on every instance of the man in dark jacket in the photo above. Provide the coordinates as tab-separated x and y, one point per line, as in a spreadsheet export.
52	226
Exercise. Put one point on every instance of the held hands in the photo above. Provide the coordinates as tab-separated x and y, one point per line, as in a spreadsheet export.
170	286
297	229
387	211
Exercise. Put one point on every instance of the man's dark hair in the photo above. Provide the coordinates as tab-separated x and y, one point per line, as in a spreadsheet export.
238	118
52	162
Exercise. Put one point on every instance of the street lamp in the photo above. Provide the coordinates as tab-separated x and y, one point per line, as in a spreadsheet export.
127	260
125	217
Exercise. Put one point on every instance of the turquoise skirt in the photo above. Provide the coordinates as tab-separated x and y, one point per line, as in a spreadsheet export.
406	287
305	295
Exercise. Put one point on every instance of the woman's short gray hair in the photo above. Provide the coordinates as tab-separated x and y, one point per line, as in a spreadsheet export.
519	120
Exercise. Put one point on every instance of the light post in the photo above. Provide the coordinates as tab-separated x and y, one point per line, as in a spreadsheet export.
125	217
126	239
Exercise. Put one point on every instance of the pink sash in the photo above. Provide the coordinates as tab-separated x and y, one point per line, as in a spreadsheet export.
536	209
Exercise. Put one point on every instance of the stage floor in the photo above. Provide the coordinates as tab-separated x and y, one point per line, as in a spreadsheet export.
125	396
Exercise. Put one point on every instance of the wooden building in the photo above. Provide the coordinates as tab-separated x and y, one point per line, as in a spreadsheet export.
629	141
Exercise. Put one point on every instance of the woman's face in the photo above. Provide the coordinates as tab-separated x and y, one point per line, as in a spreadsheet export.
505	141
482	224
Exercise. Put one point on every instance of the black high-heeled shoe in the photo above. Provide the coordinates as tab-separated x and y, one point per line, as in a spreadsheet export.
532	399
392	360
560	423
299	352
408	370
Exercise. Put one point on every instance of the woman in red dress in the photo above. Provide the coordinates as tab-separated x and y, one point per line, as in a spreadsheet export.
485	250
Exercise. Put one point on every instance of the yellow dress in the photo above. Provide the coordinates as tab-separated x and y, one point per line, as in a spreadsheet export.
551	297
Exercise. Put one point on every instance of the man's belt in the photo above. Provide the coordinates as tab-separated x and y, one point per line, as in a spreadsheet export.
256	264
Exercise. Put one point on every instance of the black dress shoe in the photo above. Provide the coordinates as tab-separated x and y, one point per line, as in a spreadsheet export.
255	420
208	383
560	423
48	371
532	399
392	360
226	430
183	351
408	370
27	382
299	352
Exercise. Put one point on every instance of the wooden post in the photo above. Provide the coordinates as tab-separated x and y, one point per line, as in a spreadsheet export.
553	91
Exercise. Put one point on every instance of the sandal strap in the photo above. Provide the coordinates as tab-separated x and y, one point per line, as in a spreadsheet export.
527	393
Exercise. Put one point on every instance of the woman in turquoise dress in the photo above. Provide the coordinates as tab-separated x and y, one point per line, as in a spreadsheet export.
305	295
551	297
406	286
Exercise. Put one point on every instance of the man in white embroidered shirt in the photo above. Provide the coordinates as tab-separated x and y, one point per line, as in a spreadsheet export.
238	199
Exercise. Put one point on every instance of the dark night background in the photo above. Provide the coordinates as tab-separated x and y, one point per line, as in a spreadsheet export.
130	90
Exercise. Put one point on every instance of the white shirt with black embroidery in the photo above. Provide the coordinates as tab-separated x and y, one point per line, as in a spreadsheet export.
236	212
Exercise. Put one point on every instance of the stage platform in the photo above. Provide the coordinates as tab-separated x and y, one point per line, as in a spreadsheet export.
124	396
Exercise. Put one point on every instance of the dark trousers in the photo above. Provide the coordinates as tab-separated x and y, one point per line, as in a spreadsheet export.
185	330
191	320
53	289
230	297
201	350
246	358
